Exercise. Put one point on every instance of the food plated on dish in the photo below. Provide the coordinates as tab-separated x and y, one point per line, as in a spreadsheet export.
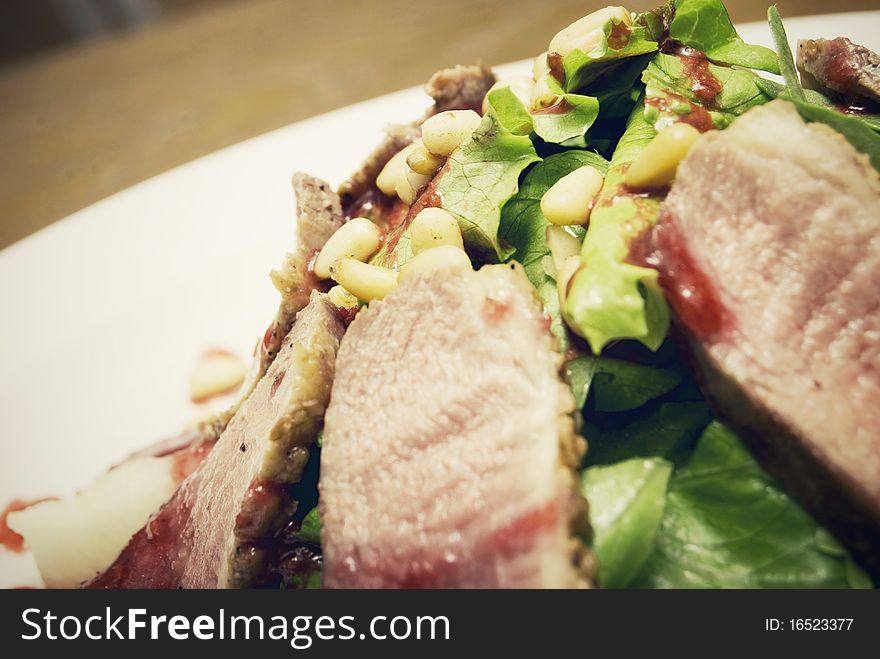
611	324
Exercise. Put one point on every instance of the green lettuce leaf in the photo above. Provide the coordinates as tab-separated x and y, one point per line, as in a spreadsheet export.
786	61
617	385
310	529
609	298
565	122
523	225
666	430
670	97
481	175
621	42
727	524
705	25
626	505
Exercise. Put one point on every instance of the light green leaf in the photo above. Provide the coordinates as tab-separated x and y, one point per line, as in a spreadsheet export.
480	177
523	225
626	505
610	298
567	121
582	68
705	25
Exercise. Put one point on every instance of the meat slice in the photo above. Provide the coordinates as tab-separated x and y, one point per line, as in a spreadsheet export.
840	65
319	215
769	250
460	87
449	444
217	529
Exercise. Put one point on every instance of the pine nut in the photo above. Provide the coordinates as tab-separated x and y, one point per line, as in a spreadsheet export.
342	298
569	269
422	161
655	167
356	239
409	187
562	245
444	257
443	133
433	227
541	96
570	199
364	281
394	170
588	33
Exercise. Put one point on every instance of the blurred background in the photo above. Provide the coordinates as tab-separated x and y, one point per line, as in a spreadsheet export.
96	95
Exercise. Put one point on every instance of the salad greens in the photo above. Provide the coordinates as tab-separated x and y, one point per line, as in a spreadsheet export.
482	175
676	499
860	130
610	298
705	25
627	500
728	525
524	227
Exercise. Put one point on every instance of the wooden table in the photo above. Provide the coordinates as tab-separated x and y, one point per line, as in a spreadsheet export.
82	123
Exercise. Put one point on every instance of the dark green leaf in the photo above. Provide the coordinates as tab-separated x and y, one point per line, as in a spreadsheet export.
786	61
858	133
728	525
310	529
666	430
626	505
619	386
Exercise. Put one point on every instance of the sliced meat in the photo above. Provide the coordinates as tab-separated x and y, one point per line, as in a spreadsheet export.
449	444
461	87
319	214
218	528
840	65
769	250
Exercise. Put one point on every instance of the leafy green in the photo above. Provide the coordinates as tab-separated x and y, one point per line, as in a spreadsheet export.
310	528
629	41
524	227
626	505
783	51
567	121
617	385
727	524
857	133
669	89
481	176
705	25
861	132
509	111
665	430
564	122
609	298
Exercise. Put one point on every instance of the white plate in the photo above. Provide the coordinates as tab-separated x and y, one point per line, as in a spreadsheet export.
106	312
